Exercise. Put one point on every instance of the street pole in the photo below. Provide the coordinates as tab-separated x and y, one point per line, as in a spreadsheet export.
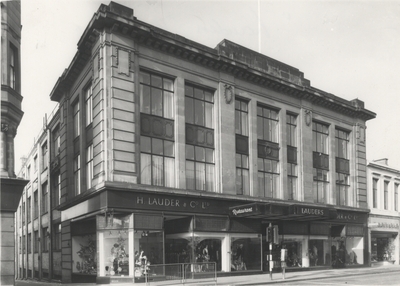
270	256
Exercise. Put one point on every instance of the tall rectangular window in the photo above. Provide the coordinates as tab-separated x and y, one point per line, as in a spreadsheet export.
156	95
35	164
396	197
157	162
89	166
267	124
77	174
44	156
342	167
35	241
268	177
45	240
157	157
29	209
56	141
23	213
57	237
291	141
45	194
375	193
56	189
35	205
268	151
89	105
77	129
29	243
242	147
13	66
320	162
385	195
200	161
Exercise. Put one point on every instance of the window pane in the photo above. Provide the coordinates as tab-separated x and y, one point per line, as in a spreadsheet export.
145	144
239	189
156	102
209	155
156	81
145	166
158	170
260	128
210	178
198	93
190	184
199	112
157	146
188	90
261	182
168	148
238	160
245	161
189	111
189	152
144	78
208	96
238	130
200	154
168	105
200	176
169	170
260	163
168	84
145	99
246	181
244	124
209	116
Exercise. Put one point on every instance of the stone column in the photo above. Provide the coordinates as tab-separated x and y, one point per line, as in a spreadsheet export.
10	152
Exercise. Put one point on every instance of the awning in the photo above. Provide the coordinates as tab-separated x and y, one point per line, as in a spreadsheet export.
307	212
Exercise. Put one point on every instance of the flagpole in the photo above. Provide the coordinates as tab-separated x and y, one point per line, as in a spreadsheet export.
259	28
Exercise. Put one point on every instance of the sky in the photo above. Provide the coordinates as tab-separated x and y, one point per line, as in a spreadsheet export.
347	48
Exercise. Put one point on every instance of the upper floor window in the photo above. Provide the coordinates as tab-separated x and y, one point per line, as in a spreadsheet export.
57	237
75	109
36	241
29	243
242	147
44	156
157	162
89	166
13	66
156	95
35	205
23	213
375	193
396	197
342	143
267	124
45	239
45	203
199	106
77	174
241	117
385	195
291	126
35	164
268	177
89	105
320	138
320	185
56	141
200	168
29	206
28	172
342	189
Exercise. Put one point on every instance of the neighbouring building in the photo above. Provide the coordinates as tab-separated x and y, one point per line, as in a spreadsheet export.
38	222
11	115
186	153
383	200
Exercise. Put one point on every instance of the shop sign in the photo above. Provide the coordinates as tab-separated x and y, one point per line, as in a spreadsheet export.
309	211
245	210
162	202
384	224
346	216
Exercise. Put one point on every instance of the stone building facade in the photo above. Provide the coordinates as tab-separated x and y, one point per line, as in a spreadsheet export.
383	200
11	114
186	153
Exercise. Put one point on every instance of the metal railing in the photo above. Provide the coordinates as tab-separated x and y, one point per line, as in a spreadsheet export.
182	273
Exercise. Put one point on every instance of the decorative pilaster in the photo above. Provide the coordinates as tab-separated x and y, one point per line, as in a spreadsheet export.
3	156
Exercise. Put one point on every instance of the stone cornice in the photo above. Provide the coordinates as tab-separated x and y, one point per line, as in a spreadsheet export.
225	58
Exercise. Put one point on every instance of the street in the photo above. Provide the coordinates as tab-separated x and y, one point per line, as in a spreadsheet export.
364	279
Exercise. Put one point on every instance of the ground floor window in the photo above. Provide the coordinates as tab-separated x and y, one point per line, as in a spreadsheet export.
383	248
245	252
84	254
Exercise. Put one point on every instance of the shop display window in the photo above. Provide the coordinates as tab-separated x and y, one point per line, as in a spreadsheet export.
149	250
294	252
115	238
245	252
84	254
319	252
355	250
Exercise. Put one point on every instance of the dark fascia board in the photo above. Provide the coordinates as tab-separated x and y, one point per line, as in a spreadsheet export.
106	18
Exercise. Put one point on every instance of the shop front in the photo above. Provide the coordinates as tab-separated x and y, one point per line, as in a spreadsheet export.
134	232
384	245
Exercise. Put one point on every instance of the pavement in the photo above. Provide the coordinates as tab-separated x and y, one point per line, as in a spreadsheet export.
257	279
